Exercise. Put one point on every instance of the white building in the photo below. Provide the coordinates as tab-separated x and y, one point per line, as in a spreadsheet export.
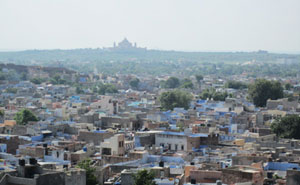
176	141
106	104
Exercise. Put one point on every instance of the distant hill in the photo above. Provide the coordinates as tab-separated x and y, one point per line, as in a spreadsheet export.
144	61
104	54
26	69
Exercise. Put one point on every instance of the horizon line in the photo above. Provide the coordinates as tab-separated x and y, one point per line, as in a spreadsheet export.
157	49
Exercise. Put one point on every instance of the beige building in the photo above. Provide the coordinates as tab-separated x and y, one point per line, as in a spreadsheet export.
113	145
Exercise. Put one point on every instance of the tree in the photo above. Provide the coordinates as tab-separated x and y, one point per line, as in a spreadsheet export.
56	79
79	90
206	94
262	90
11	90
199	78
23	76
134	83
171	99
143	177
220	96
2	76
290	97
172	83
235	85
288	86
180	126
162	83
212	94
107	88
187	83
36	80
2	115
287	126
86	164
24	116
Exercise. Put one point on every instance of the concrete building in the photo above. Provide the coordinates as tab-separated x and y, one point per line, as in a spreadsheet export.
33	174
95	137
179	141
106	104
293	177
204	176
114	145
242	175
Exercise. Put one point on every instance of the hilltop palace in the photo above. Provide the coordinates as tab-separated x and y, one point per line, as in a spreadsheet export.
125	45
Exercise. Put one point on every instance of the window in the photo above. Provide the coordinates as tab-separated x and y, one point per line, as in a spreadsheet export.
182	147
176	147
169	146
106	151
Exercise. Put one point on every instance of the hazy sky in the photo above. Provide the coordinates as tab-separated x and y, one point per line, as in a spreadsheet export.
188	25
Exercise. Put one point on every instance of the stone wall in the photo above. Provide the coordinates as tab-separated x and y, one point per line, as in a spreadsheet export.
75	177
293	177
57	178
148	140
32	151
232	176
202	176
12	143
114	159
108	121
127	178
93	137
247	160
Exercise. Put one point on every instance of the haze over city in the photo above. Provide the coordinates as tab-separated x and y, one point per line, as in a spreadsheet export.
149	92
190	25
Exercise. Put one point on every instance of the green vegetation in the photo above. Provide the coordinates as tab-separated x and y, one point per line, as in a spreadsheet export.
199	78
155	62
172	83
37	80
235	85
9	75
24	116
187	83
288	86
2	113
180	126
107	88
11	90
262	90
2	76
86	164
291	97
23	76
134	83
56	79
171	99
287	127
79	90
213	94
143	177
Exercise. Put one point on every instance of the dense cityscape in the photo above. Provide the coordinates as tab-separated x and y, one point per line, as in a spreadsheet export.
172	92
62	126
